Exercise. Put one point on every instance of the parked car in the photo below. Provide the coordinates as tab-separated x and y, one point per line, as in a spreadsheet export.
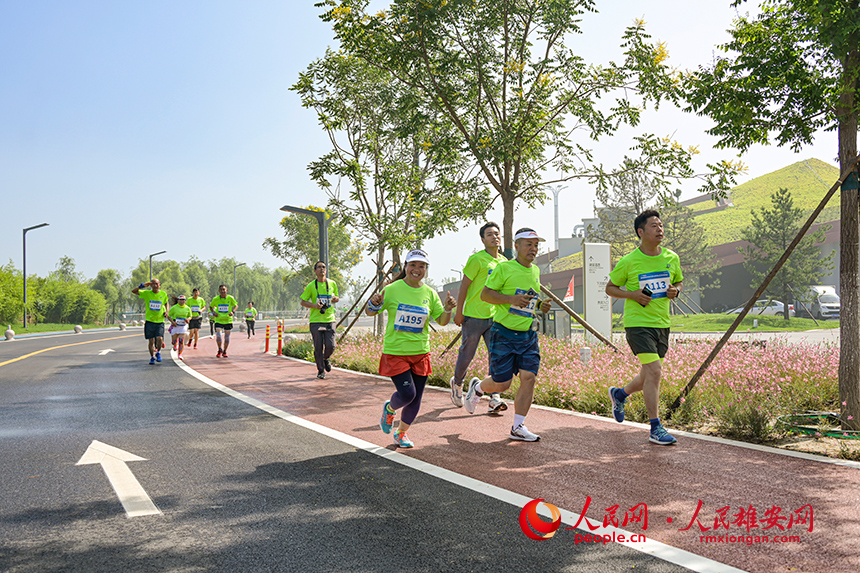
765	307
822	301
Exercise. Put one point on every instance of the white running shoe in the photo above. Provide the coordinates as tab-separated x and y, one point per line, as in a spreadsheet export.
456	393
522	434
497	405
472	397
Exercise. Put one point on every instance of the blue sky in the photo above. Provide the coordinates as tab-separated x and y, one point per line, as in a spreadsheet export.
137	127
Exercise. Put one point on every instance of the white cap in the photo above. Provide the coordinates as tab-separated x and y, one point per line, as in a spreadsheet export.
528	235
417	255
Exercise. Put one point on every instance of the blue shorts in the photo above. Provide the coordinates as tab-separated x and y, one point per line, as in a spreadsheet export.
512	351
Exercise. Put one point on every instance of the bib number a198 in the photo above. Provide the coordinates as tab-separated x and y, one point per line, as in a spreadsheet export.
410	318
658	283
528	311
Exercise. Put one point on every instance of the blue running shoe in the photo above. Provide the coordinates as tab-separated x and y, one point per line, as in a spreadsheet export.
617	405
402	440
158	356
152	360
660	436
387	419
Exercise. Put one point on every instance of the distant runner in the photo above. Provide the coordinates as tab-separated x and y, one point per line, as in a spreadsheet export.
197	306
250	318
156	311
320	296
222	307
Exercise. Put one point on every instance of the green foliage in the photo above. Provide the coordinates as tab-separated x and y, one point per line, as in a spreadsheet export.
61	301
747	422
299	348
11	294
769	235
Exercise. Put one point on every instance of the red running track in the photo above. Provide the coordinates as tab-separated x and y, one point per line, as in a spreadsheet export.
581	456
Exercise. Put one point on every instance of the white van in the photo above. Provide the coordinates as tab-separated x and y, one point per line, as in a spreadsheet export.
821	300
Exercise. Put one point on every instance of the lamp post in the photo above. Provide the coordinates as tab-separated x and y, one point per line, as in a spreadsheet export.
235	294
150	262
555	191
322	220
26	324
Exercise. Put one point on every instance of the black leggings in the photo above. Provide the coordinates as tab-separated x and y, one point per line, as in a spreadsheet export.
410	389
250	324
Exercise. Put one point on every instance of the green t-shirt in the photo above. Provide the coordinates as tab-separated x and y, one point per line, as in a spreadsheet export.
637	270
478	268
180	314
224	306
510	277
197	306
321	293
409	310
250	313
156	303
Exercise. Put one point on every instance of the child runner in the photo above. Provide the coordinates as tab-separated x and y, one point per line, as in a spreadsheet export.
406	350
179	316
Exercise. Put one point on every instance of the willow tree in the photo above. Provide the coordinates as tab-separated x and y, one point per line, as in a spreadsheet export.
522	103
787	73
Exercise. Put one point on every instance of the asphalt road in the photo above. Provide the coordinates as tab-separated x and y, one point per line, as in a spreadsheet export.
238	489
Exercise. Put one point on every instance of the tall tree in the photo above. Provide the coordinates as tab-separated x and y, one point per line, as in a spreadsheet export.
789	71
769	234
109	283
520	101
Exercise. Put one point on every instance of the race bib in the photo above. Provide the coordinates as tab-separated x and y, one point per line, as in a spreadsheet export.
155	305
658	283
410	318
180	321
323	299
529	310
225	308
249	314
195	308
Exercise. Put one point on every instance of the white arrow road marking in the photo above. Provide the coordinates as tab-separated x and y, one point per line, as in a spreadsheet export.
105	351
113	460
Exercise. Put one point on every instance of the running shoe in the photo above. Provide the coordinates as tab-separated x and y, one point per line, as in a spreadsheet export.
497	405
321	375
387	419
402	440
522	434
327	365
195	347
617	404
219	354
660	436
158	356
174	346
456	393
152	360
472	398
224	354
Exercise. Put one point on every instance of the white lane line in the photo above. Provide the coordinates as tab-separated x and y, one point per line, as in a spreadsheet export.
113	460
654	548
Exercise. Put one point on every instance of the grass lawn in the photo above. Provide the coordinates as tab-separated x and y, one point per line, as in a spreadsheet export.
721	323
50	327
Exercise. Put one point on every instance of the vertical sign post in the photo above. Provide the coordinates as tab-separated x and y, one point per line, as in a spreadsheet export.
598	305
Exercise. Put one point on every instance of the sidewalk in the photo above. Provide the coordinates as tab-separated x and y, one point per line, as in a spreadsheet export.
580	456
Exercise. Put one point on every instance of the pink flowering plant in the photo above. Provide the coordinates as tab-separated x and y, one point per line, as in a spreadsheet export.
744	390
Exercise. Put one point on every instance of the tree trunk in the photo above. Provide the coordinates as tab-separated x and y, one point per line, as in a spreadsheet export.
378	328
508	222
849	332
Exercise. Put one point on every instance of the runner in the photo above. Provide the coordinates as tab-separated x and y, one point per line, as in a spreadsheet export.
197	305
156	310
406	350
474	316
222	307
179	316
513	288
320	296
250	318
651	276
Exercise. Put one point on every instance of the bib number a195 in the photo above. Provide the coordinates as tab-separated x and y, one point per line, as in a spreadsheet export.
410	318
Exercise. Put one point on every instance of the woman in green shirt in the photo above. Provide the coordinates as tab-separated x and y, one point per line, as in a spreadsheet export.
406	350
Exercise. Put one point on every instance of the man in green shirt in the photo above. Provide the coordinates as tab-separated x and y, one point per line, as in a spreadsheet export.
197	306
513	288
156	310
475	316
222	308
651	276
320	296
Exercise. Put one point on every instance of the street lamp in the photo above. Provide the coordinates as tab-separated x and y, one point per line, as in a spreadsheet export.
150	262
555	191
323	223
235	294
26	324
